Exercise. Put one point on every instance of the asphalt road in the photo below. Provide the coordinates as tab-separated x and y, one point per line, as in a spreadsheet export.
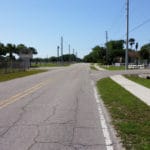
55	110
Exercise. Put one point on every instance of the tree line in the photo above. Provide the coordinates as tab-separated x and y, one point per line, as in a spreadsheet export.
114	51
7	51
64	58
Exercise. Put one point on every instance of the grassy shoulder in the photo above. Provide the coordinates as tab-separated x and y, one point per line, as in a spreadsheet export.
10	76
110	67
50	65
130	116
142	81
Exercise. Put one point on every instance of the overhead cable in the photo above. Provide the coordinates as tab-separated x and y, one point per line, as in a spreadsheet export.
140	25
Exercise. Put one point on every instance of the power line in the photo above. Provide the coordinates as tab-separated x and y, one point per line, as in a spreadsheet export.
117	22
118	17
137	27
140	25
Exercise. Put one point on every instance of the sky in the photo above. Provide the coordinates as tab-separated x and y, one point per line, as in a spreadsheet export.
82	23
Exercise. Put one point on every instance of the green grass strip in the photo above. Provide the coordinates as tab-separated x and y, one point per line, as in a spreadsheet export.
10	76
112	68
130	116
142	81
50	65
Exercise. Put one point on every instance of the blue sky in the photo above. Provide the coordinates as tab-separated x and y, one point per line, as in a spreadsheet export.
82	23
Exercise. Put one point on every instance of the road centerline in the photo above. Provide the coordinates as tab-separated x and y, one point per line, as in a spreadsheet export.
18	96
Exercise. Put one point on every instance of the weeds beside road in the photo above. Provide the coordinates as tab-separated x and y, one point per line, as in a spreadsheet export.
10	76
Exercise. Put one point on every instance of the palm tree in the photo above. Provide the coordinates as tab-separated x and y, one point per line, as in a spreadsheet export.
131	42
2	49
136	45
21	48
32	50
10	48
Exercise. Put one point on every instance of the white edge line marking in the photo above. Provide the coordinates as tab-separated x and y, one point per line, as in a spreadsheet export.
105	130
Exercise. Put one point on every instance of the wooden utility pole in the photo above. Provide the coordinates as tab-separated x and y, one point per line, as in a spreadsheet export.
127	38
58	53
61	49
69	53
73	55
106	46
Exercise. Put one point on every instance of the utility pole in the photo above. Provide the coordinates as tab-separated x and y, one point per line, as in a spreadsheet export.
127	38
58	53
106	36
106	46
69	53
73	55
61	49
76	56
69	49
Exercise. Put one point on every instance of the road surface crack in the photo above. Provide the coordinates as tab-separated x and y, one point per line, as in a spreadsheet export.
53	113
20	115
34	139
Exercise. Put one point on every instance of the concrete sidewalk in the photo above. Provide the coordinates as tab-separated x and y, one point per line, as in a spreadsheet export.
98	68
138	90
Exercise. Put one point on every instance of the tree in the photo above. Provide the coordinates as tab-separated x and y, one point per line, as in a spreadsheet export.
136	46
115	44
115	50
32	50
131	42
88	58
145	51
53	59
98	54
21	48
10	48
2	49
13	49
